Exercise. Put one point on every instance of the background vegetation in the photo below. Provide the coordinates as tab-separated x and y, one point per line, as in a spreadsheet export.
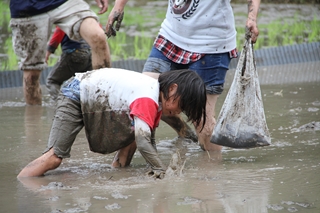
142	21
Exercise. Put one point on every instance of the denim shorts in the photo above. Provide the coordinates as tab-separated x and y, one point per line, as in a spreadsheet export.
212	68
71	89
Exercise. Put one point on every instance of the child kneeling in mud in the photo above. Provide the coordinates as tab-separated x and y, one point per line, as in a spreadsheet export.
120	110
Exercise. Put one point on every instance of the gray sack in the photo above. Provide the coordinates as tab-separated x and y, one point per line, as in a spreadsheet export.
241	122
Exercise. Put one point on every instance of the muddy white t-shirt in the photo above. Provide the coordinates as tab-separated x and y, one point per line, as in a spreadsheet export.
109	99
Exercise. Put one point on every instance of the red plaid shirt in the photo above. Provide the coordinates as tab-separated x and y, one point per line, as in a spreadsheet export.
178	55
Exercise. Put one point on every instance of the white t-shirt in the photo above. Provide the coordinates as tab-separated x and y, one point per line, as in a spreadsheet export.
110	98
200	26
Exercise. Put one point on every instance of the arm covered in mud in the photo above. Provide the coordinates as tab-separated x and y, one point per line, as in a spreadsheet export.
143	137
116	15
251	25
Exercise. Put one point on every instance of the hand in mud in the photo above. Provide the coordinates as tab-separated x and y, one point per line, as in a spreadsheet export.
156	174
115	16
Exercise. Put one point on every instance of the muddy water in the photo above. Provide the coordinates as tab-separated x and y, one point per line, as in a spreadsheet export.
284	177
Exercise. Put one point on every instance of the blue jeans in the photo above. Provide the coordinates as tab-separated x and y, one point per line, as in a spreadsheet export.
212	68
71	89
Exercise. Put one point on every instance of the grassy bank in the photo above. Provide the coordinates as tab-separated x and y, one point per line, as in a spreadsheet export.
141	24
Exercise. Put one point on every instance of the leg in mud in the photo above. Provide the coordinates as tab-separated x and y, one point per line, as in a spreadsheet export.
180	126
205	135
31	87
42	164
96	38
124	156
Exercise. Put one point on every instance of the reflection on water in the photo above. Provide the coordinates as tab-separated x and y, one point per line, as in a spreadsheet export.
283	177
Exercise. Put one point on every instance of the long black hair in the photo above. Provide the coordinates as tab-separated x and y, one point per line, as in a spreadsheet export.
191	90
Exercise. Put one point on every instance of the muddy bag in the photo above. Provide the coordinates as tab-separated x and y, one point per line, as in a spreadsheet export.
241	122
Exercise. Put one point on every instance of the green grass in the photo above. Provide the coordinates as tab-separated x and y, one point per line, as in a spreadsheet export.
281	33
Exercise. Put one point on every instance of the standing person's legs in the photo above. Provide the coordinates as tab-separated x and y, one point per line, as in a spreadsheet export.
212	68
29	38
31	87
206	133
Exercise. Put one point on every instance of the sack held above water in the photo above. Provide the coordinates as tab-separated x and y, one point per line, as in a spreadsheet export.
241	122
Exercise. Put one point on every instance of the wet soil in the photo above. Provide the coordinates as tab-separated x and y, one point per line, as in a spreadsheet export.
282	177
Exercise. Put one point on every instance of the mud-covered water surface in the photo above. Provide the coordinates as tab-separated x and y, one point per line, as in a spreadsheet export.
283	177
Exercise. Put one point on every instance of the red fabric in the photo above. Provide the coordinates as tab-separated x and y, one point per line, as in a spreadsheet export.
56	38
147	110
233	53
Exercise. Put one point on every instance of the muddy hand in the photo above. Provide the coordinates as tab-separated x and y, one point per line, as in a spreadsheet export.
156	174
114	17
252	31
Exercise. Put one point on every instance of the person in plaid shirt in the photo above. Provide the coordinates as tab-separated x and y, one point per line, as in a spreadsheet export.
200	36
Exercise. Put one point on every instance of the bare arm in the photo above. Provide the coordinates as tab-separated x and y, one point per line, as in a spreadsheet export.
147	149
253	9
116	15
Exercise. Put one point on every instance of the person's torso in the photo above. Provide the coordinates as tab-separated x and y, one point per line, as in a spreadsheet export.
109	99
27	8
201	26
115	89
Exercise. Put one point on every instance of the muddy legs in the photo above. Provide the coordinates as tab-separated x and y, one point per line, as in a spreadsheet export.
124	156
31	87
39	166
206	133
